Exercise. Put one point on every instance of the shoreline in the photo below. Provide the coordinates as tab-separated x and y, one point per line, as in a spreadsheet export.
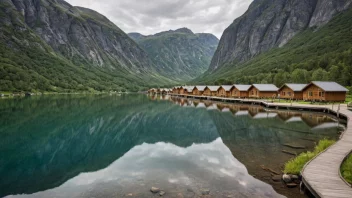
302	107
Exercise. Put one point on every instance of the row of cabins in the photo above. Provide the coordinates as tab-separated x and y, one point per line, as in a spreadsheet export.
314	91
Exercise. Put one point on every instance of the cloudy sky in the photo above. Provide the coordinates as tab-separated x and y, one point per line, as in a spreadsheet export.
152	16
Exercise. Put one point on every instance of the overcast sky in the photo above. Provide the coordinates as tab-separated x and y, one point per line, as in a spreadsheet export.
152	16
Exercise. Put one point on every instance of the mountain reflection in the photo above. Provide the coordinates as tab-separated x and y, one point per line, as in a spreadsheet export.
109	144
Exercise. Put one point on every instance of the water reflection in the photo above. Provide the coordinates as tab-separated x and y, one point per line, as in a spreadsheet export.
169	167
111	145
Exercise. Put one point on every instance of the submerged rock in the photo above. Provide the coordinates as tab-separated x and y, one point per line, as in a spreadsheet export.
155	190
291	185
276	178
205	191
162	193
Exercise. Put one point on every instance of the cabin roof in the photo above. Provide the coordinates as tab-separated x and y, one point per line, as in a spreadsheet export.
200	87
242	87
213	88
328	86
295	87
265	87
227	87
188	88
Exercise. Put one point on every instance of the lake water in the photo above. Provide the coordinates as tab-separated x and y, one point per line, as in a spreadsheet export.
111	146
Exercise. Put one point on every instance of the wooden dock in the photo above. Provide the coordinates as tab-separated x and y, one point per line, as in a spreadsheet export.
321	175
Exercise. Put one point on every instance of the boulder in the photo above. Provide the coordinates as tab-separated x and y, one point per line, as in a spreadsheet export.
286	178
162	193
155	190
205	191
276	178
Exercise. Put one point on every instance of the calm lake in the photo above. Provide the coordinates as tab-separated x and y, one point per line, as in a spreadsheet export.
111	146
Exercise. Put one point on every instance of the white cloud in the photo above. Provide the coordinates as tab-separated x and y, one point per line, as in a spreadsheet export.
153	16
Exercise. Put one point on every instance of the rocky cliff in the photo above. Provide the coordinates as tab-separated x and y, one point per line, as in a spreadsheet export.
77	36
271	23
179	54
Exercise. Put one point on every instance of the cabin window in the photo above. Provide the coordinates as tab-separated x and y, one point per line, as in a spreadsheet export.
310	93
283	93
323	94
252	92
289	93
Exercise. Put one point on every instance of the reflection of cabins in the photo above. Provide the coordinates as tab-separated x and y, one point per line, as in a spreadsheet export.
313	120
262	91
208	103
265	115
324	91
224	91
326	125
286	115
292	91
198	90
152	91
211	90
239	91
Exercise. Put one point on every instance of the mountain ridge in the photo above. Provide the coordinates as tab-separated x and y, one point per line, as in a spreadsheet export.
271	23
179	54
73	39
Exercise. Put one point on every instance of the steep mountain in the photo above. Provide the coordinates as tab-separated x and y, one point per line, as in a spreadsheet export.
179	54
275	37
54	46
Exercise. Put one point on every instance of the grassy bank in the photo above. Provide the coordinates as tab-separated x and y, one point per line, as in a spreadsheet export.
346	169
295	165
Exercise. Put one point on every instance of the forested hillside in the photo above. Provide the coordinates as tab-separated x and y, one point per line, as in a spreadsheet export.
323	53
179	54
49	45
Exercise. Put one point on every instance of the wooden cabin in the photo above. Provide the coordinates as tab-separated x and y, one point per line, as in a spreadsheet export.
324	91
292	91
164	91
211	90
186	90
198	90
239	91
224	91
152	91
175	90
262	91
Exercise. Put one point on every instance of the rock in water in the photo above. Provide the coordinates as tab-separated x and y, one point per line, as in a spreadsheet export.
291	185
162	193
286	178
294	177
155	190
276	178
205	191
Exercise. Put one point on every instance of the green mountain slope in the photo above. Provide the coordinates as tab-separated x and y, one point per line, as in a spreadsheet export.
180	55
314	54
53	46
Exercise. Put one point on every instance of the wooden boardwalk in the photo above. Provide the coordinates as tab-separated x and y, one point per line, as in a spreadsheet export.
322	174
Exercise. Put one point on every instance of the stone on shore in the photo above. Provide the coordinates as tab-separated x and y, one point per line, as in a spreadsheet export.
286	178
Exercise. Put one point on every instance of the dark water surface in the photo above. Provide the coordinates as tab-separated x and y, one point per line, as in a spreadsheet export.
111	146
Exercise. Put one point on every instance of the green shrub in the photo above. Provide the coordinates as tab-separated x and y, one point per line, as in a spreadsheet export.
295	165
346	169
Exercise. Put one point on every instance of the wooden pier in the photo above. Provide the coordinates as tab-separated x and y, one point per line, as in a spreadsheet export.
322	174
